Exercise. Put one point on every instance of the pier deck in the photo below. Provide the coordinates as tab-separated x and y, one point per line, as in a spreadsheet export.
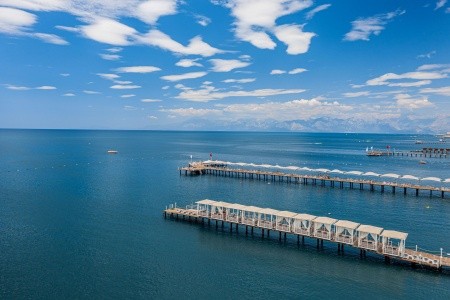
236	215
324	180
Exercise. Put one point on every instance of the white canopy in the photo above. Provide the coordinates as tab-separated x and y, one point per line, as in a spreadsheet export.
370	229
410	177
337	171
269	211
447	180
354	172
237	206
322	170
206	202
305	217
346	224
325	220
371	174
391	175
286	214
252	208
394	234
432	179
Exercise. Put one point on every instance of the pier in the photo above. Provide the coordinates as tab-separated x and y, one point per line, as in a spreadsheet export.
366	238
221	169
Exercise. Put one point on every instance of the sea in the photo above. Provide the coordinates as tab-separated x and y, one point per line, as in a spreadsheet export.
77	222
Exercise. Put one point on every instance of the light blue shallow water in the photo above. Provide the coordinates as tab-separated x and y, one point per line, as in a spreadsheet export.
76	222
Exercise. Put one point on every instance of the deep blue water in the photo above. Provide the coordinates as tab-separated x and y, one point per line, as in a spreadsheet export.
76	222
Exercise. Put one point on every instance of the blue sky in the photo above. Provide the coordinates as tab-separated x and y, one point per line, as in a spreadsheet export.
287	65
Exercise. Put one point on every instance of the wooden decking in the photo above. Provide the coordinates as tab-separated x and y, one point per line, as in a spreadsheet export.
323	180
416	258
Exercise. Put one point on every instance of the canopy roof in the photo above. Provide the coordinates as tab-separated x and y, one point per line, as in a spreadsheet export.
392	234
325	220
252	208
370	229
305	217
220	204
347	224
286	214
268	211
237	206
206	202
432	179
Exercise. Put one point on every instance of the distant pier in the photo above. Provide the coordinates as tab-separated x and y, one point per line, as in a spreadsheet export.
388	243
222	169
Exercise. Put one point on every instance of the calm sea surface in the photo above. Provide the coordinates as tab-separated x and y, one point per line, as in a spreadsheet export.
76	222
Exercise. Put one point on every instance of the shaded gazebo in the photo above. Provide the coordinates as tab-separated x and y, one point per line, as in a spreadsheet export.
369	237
250	215
393	242
204	207
323	227
345	232
234	212
218	210
284	221
267	218
303	224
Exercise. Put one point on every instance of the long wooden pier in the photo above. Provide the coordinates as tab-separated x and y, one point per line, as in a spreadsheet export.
388	243
323	180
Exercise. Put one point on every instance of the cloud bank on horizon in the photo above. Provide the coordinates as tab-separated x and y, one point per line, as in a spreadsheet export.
295	65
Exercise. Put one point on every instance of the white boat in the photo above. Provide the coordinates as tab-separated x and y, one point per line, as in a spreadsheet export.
113	151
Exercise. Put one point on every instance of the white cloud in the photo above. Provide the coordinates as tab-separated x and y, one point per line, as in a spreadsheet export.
443	91
89	92
427	55
209	93
202	20
254	18
124	87
315	10
440	4
277	72
108	76
65	74
107	56
185	76
297	71
196	45
227	65
411	84
51	38
138	69
130	107
291	72
122	81
69	95
46	87
15	21
114	49
151	11
363	28
243	80
408	102
67	28
433	67
16	87
296	40
166	87
187	63
110	31
127	96
191	112
356	94
423	78
150	100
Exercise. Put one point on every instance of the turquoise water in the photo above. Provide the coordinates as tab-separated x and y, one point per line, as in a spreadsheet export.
76	222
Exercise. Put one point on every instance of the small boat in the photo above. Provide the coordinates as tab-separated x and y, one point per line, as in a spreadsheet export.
422	162
419	142
112	151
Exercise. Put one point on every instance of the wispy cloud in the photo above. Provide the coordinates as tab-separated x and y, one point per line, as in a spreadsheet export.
356	94
202	20
138	69
89	92
150	100
108	56
423	78
125	87
427	55
16	87
440	4
363	28
443	91
291	72
46	87
409	102
242	80
69	95
227	65
184	76
187	63
108	76
127	96
315	10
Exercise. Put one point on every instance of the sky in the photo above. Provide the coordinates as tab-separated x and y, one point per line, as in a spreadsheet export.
257	65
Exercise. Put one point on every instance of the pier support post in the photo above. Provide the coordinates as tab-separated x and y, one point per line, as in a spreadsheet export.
237	227
417	192
321	243
252	230
387	260
318	245
280	237
298	240
303	239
